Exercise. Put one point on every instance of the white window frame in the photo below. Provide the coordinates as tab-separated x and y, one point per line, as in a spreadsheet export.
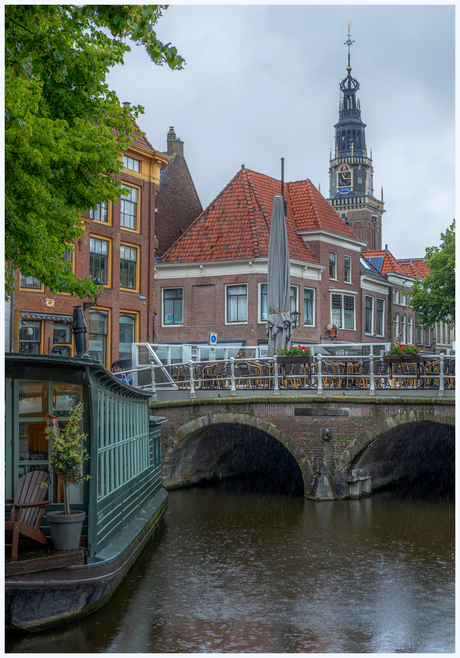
314	307
379	299
395	296
343	295
163	314
395	325
295	297
235	285
402	325
131	163
259	312
334	263
347	280
410	330
371	332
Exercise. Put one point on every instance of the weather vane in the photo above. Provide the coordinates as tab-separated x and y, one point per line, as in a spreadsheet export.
348	43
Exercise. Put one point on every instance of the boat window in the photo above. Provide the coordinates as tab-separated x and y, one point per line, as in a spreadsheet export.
33	399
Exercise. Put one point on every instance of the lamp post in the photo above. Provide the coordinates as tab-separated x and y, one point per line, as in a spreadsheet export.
295	316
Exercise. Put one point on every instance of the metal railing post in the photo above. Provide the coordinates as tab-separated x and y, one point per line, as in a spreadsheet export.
441	374
371	374
192	381
232	376
320	374
275	376
154	386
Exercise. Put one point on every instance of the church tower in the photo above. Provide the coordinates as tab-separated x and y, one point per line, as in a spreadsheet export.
351	185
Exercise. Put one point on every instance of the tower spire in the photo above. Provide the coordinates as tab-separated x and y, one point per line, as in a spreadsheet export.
349	42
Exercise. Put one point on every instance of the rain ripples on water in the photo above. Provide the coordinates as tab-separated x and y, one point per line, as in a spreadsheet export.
235	571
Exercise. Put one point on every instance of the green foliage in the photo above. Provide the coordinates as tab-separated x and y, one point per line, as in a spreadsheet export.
398	350
434	297
294	351
67	452
61	155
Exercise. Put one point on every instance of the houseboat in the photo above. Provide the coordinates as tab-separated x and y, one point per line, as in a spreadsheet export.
123	499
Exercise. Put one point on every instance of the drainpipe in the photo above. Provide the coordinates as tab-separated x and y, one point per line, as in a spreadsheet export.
12	310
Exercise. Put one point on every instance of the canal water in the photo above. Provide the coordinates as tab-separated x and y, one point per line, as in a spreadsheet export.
232	570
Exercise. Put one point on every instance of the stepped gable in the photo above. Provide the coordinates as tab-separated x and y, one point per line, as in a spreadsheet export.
416	267
388	262
312	211
236	225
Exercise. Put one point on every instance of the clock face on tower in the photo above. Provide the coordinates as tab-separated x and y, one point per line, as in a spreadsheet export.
344	179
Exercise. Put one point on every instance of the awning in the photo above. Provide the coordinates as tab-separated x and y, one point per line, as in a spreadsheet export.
25	315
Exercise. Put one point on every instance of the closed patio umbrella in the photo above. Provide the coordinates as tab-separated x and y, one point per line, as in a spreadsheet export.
279	329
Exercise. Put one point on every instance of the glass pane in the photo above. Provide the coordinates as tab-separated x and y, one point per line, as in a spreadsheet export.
65	398
32	442
61	332
33	399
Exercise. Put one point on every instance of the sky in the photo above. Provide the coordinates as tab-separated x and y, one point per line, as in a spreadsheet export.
261	82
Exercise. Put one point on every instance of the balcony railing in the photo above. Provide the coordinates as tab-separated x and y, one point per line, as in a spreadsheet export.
249	372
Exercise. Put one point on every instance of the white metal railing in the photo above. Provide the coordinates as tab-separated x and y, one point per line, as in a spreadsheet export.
259	372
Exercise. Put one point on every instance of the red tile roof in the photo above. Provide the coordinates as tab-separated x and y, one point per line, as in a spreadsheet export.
416	267
389	263
137	138
236	224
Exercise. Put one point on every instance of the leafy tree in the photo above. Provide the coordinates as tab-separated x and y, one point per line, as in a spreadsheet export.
434	297
61	154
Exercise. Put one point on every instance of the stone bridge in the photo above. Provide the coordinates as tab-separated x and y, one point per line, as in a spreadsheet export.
323	448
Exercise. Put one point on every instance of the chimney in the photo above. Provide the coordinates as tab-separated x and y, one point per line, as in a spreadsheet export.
79	332
126	104
175	144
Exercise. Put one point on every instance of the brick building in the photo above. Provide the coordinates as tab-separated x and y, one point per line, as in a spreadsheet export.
214	277
177	203
117	250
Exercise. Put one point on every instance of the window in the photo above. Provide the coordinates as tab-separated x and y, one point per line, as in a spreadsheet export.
380	317
128	209
402	298
237	303
343	311
62	339
419	335
409	329
98	331
98	260
332	265
30	282
30	336
395	296
263	302
403	328
293	305
427	337
172	306
100	213
309	307
395	325
407	300
369	319
127	334
131	163
347	269
128	267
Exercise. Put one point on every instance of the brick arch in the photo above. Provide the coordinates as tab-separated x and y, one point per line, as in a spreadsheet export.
195	427
363	440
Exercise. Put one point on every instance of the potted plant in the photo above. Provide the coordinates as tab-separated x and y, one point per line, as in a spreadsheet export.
299	354
66	461
401	352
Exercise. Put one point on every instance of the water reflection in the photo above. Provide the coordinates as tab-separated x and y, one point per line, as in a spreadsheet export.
245	572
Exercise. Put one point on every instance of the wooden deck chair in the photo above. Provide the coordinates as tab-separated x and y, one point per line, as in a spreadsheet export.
28	508
430	377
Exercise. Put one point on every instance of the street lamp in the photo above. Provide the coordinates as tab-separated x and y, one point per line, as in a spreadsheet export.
295	316
89	304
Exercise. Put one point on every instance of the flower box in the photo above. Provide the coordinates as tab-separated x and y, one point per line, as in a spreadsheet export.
299	358
402	358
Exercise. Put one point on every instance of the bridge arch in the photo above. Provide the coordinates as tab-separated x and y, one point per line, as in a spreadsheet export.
196	427
398	437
